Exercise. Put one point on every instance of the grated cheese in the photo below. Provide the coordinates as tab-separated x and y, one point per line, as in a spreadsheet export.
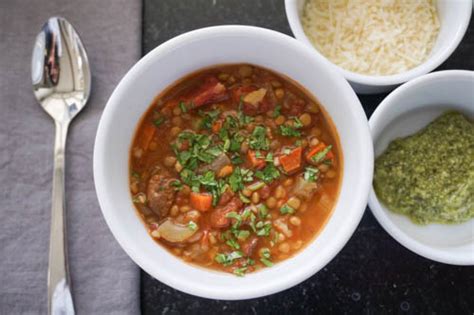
375	37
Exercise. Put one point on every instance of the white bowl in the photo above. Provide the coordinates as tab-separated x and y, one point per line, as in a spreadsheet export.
454	19
190	52
405	111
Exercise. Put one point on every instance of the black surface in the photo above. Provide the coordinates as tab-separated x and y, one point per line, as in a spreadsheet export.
373	274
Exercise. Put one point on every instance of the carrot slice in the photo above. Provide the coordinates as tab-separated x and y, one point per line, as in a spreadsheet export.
225	170
292	161
254	161
216	126
147	135
201	201
316	149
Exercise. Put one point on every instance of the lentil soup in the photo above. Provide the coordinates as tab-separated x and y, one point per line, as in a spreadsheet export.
235	168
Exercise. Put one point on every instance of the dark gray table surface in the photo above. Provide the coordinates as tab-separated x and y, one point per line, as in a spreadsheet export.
373	274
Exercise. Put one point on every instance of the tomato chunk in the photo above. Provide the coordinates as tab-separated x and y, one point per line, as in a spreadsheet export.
257	163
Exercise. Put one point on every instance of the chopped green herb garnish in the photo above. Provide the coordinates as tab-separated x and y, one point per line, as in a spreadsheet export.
276	111
288	131
263	229
235	142
192	226
266	262
177	185
265	253
242	235
228	259
285	209
200	150
321	155
298	124
159	121
233	243
236	180
182	105
311	174
246	213
208	118
258	139
226	145
243	119
231	123
240	271
208	180
135	174
269	157
253	218
237	217
268	174
262	211
236	159
327	162
215	151
265	257
247	175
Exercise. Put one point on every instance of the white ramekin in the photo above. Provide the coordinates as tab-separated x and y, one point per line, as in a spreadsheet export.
190	52
454	18
405	111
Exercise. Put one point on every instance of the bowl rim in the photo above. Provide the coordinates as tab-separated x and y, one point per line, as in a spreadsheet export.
210	292
377	121
378	81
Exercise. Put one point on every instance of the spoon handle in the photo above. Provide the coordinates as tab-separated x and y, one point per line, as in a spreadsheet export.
59	291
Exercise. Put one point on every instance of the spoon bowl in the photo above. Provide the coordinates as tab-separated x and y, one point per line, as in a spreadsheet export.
60	70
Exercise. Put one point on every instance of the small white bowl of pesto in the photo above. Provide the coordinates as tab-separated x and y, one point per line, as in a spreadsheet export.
423	188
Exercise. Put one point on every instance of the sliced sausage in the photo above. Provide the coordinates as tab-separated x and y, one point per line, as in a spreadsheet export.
211	91
219	215
225	197
160	194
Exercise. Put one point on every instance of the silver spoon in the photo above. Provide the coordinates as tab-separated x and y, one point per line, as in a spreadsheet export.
61	83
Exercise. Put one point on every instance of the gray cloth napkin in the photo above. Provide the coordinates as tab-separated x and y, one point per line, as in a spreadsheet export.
104	279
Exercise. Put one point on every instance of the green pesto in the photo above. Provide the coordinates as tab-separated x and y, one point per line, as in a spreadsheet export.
429	176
